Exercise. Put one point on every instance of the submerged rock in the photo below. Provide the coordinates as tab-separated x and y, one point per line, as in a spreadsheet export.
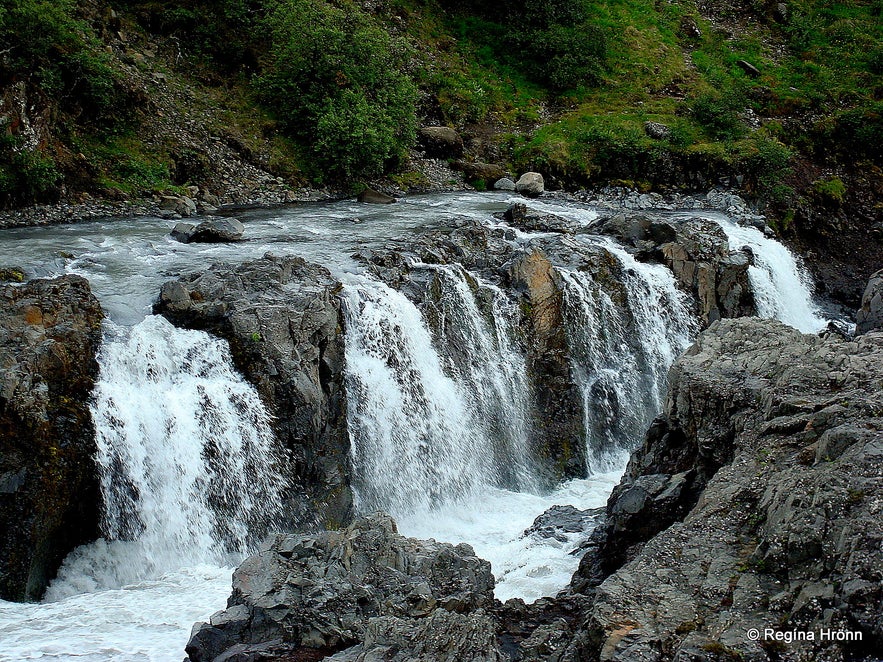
365	590
282	319
558	521
370	196
50	331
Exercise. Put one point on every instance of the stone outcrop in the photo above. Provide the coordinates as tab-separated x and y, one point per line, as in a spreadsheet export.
282	319
365	593
372	197
486	172
870	315
50	332
754	503
698	253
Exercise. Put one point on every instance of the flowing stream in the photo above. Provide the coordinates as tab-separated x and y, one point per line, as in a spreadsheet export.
439	410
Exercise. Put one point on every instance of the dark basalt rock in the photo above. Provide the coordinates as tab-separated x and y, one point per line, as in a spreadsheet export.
365	592
752	504
215	231
440	142
558	521
283	321
870	315
50	332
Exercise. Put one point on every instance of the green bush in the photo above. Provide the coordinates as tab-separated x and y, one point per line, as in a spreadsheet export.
25	175
564	56
718	116
339	82
44	41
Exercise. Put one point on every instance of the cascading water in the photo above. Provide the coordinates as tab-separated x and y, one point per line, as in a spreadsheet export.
416	443
474	324
782	287
190	480
439	413
189	467
623	335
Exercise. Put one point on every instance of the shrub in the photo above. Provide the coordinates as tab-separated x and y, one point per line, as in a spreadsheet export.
718	116
25	175
564	56
339	83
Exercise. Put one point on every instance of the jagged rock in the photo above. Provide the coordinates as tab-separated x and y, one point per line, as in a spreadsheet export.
752	504
50	331
441	142
504	184
366	587
558	521
530	184
486	172
181	205
657	130
283	321
870	315
370	196
698	253
521	217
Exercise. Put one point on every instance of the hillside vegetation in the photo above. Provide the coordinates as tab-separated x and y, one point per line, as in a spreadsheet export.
782	99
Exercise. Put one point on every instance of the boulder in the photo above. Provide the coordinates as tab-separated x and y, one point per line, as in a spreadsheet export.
530	184
440	142
50	332
559	521
282	319
370	196
178	204
752	504
657	130
870	315
748	68
504	184
365	592
486	172
214	231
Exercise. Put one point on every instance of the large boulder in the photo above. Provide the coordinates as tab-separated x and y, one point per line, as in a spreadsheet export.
283	321
752	504
214	231
50	332
870	315
372	197
365	591
441	142
530	184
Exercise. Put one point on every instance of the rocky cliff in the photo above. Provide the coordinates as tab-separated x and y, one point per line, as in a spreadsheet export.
50	331
751	509
754	503
281	317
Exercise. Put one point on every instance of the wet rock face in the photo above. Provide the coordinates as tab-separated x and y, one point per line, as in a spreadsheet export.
870	315
364	592
754	503
282	319
697	251
50	332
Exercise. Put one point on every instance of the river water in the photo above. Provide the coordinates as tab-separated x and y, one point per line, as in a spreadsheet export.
440	443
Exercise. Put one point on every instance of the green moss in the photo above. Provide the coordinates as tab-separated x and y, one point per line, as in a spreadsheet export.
830	190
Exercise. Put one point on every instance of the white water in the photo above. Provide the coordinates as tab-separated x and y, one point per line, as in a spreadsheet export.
624	336
136	600
782	287
190	480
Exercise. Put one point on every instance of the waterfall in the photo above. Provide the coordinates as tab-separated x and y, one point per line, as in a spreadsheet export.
416	443
474	322
782	287
623	338
189	470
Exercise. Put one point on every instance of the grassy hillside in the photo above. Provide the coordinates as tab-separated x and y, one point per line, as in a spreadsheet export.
778	97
